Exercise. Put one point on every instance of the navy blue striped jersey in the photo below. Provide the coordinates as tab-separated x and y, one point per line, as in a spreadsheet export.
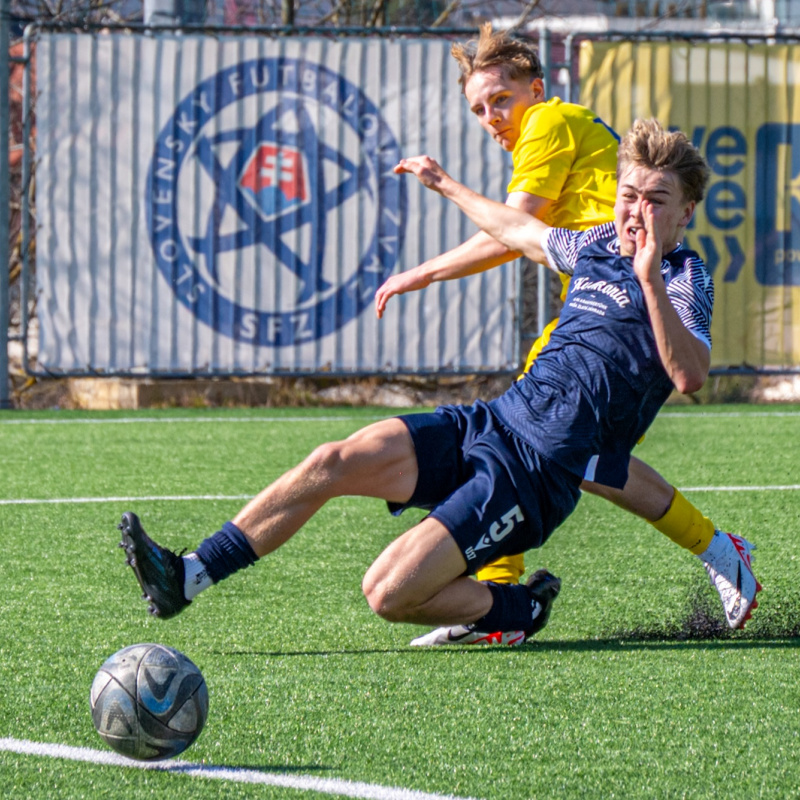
599	383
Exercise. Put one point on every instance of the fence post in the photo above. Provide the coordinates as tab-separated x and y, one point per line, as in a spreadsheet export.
543	274
5	197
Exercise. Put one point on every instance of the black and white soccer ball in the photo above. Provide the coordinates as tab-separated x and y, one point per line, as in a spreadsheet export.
149	702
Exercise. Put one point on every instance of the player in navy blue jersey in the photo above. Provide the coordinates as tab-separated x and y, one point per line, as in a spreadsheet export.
499	477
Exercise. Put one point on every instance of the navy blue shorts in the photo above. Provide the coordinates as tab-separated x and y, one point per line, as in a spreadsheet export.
492	491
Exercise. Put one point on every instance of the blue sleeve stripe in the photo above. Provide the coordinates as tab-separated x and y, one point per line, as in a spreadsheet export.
562	246
692	295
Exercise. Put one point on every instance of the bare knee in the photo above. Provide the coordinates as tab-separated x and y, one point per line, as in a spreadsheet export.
382	598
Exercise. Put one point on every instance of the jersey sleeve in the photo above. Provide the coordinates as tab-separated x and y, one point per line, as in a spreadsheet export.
561	248
692	296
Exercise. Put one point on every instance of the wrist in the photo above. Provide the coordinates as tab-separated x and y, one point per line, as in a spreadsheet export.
652	282
425	274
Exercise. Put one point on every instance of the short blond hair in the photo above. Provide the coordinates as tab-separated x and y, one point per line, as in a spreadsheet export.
497	49
648	144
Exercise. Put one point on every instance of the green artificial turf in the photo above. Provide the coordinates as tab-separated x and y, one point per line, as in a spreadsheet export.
636	689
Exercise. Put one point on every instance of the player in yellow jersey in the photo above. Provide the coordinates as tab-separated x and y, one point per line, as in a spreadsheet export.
564	160
564	155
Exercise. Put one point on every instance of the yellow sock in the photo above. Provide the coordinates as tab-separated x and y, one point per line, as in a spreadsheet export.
686	525
505	570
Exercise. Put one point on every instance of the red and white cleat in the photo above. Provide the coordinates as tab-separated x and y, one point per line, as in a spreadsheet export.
728	564
466	634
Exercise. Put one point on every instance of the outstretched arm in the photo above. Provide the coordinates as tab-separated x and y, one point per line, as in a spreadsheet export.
685	358
479	253
511	227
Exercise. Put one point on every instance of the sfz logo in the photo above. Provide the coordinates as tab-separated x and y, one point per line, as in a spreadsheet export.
497	531
245	179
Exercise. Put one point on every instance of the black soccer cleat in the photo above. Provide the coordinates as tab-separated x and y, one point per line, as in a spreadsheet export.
543	587
159	571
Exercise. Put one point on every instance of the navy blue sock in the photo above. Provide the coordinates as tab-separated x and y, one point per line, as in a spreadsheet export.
510	611
226	552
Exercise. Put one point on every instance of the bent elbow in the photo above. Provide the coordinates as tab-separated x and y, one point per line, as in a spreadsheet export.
689	383
690	374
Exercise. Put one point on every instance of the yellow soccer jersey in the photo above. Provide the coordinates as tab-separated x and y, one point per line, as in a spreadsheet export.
566	154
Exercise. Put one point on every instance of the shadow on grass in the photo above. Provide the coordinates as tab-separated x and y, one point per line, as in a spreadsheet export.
636	639
659	640
646	640
702	627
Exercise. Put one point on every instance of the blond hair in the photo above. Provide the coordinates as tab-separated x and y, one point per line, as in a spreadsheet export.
518	58
648	144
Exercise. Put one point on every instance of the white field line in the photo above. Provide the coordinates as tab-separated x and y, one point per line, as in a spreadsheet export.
738	414
34	501
150	420
791	487
170	420
307	783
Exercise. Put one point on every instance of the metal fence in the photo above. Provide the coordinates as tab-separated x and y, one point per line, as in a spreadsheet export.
111	264
738	100
224	205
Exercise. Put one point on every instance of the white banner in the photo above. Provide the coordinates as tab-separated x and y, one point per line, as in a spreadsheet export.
228	205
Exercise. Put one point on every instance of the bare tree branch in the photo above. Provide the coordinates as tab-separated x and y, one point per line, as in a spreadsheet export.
442	18
378	11
332	14
526	12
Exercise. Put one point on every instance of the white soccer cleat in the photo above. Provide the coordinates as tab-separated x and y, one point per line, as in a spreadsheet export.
466	634
727	562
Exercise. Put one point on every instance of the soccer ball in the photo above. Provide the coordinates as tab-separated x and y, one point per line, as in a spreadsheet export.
149	702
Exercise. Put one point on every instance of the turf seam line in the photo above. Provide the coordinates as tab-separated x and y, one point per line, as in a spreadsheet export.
355	418
32	501
134	420
334	786
792	487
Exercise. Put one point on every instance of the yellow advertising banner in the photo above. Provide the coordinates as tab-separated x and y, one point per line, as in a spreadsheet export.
740	104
